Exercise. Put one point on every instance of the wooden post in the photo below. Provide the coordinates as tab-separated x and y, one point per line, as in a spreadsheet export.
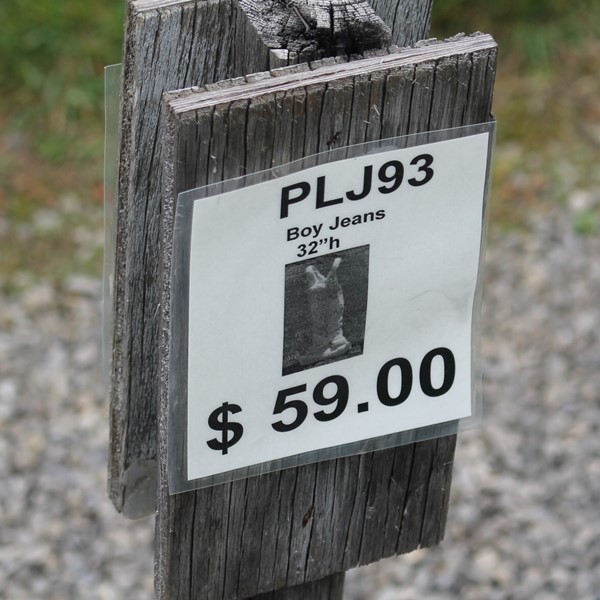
306	526
172	44
290	534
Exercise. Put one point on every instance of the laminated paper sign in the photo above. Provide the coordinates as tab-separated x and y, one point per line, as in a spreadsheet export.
329	306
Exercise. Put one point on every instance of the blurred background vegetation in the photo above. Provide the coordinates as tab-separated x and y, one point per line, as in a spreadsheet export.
546	101
52	56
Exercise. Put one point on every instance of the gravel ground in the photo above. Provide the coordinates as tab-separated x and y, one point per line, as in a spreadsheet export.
523	521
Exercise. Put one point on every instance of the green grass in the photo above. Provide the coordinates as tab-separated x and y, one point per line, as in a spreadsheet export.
531	32
52	56
51	131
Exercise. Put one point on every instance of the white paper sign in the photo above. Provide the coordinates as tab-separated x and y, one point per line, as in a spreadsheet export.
334	304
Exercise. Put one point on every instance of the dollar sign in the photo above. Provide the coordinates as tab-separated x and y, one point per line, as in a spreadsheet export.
219	420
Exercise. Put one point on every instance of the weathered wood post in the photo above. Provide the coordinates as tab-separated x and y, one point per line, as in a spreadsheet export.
287	531
169	45
299	526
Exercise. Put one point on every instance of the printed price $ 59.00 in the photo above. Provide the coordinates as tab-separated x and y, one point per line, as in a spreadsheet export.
333	392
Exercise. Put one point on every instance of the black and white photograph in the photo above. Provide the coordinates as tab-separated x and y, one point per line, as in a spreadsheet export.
325	309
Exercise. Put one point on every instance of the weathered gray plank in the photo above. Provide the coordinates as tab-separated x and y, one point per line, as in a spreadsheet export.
168	46
359	117
173	44
409	20
438	496
399	485
376	104
296	526
399	87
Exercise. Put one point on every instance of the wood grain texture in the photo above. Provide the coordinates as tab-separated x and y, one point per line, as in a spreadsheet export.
173	44
167	47
409	20
291	527
313	29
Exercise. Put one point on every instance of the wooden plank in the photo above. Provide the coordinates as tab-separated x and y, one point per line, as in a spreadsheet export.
399	86
409	20
292	527
328	71
173	44
180	44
